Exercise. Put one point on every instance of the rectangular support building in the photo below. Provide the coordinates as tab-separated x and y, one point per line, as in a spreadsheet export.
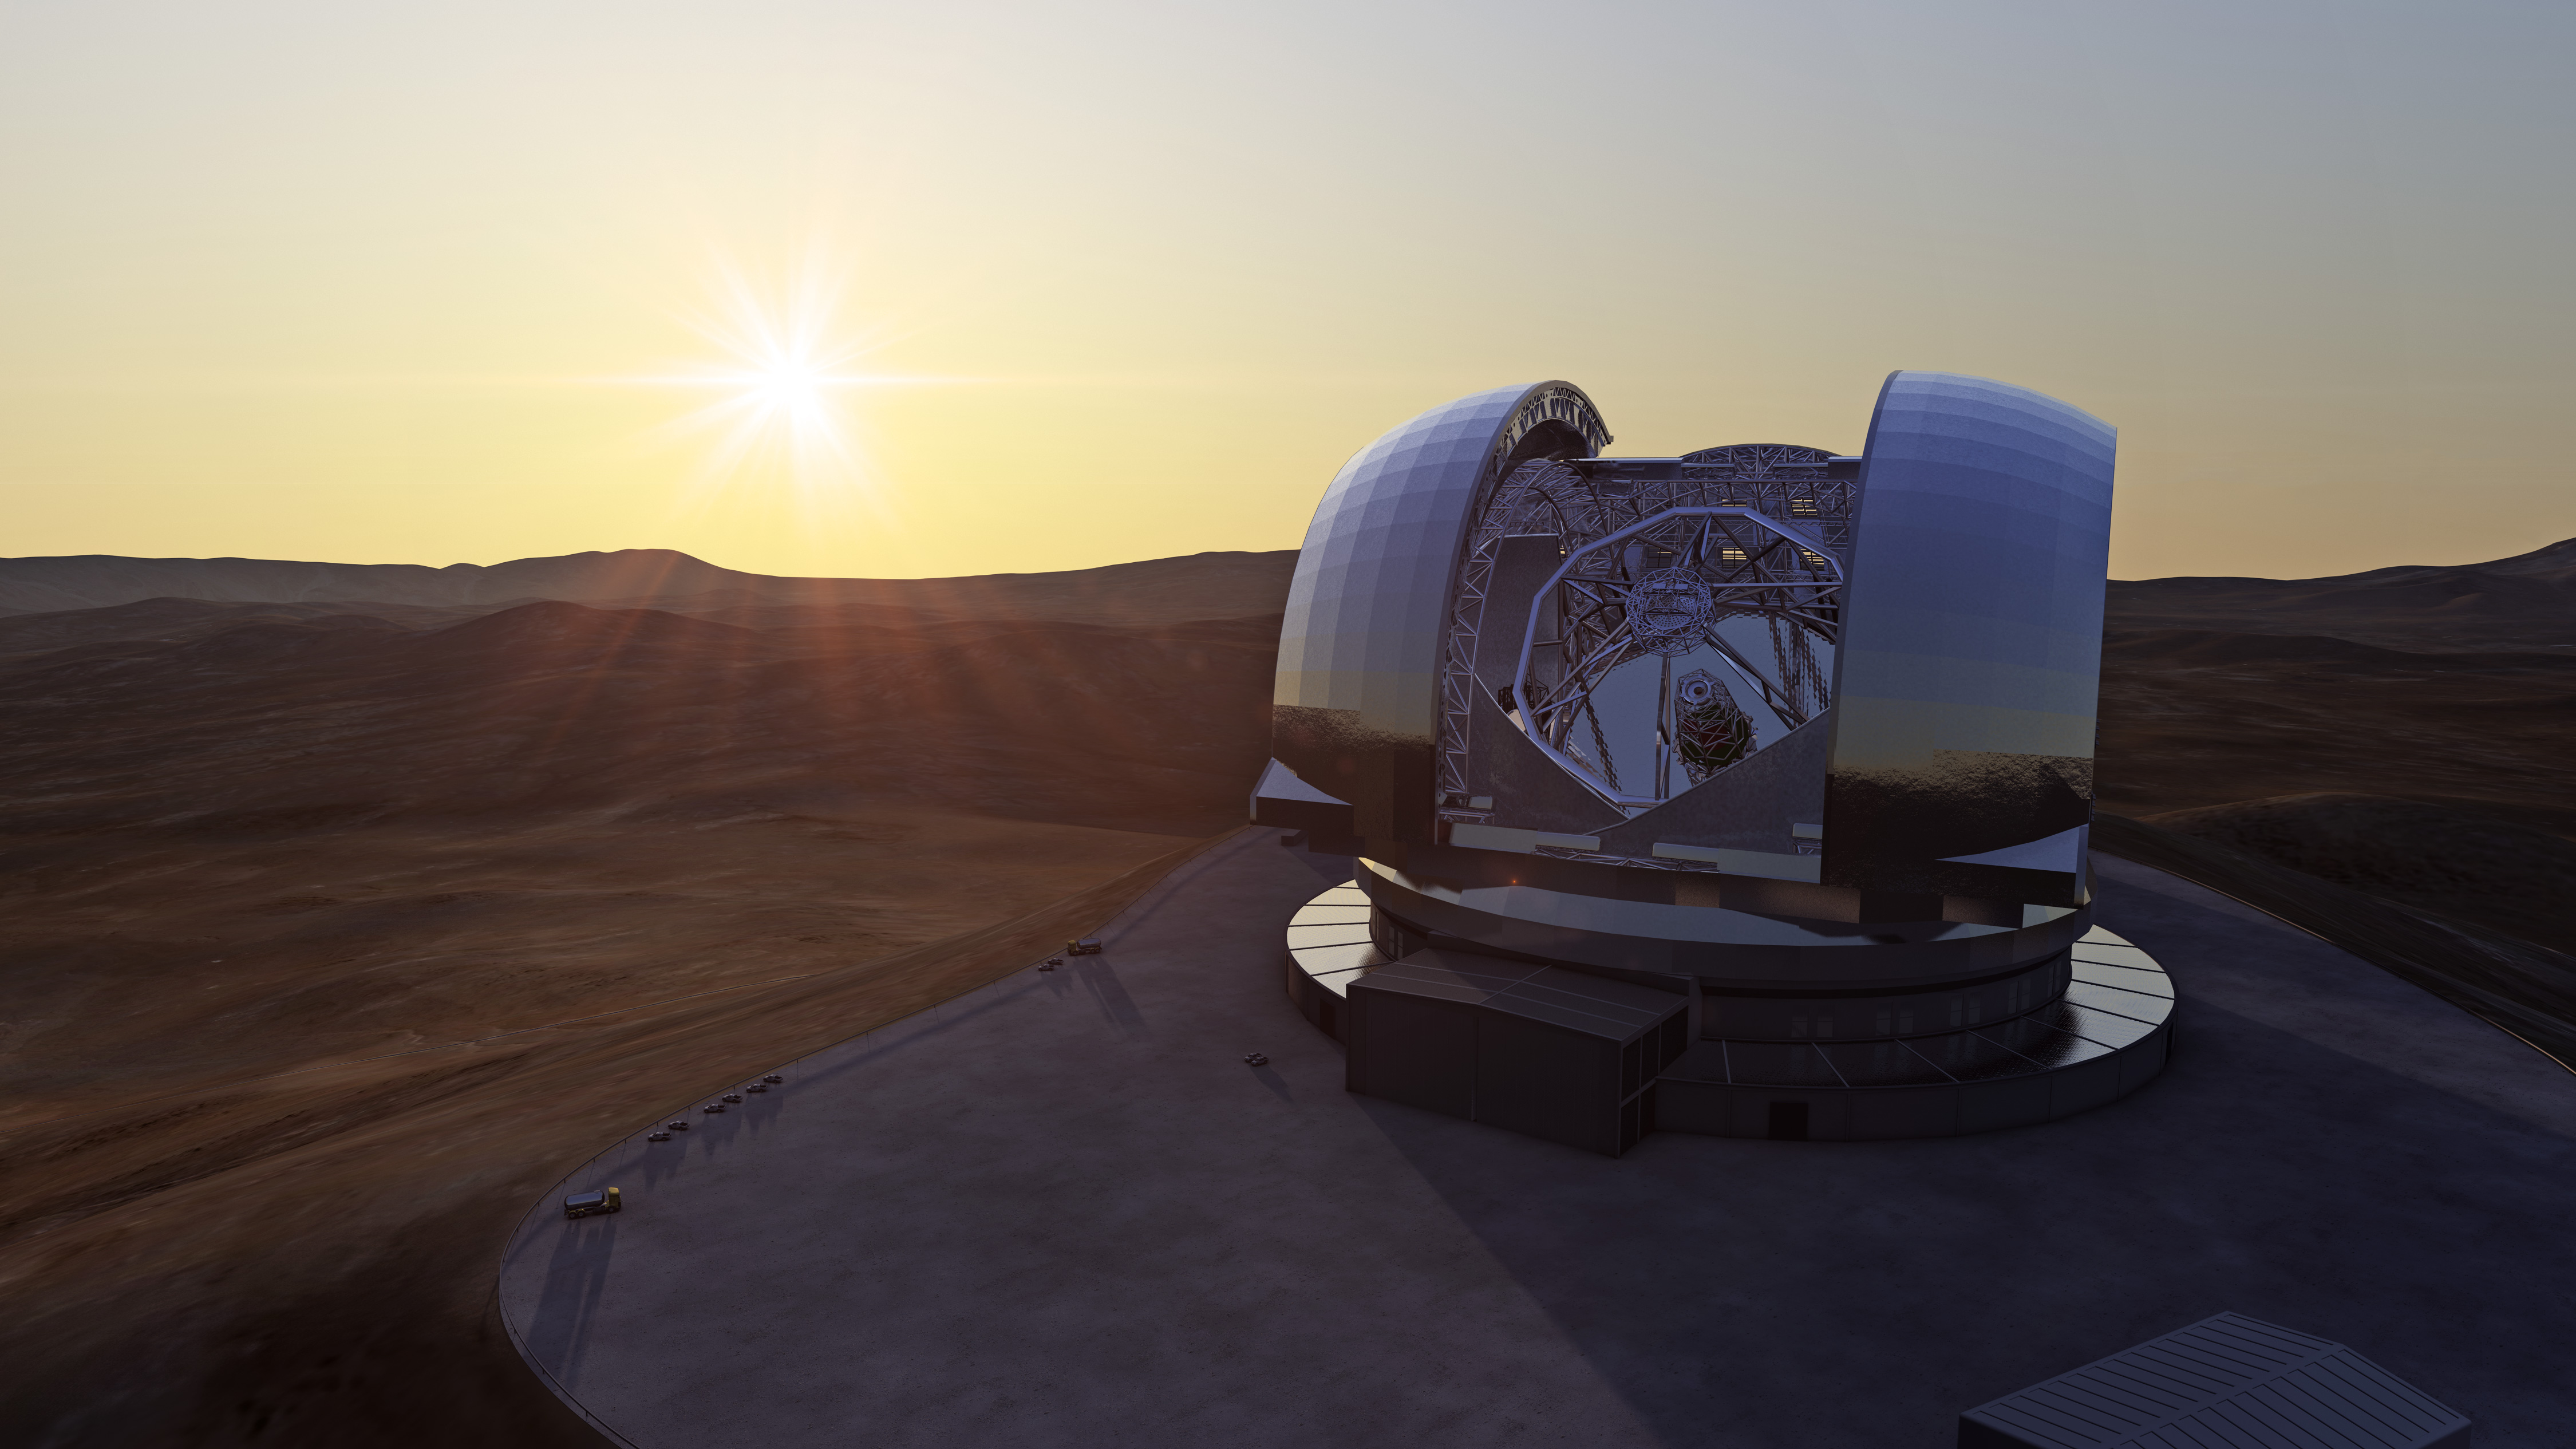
1553	1053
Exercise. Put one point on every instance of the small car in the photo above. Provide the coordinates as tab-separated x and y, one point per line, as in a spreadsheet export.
1082	948
591	1204
712	1107
657	1136
773	1079
757	1087
733	1097
1255	1059
676	1124
1050	963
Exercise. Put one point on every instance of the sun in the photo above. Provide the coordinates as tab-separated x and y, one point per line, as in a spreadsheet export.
789	387
782	386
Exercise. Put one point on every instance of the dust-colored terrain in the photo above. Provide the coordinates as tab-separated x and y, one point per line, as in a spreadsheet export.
332	934
274	1101
2466	860
348	908
2437	684
1206	585
2387	760
2195	718
2524	602
2408	732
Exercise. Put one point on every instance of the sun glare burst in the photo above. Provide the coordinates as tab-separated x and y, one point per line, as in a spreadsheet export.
780	399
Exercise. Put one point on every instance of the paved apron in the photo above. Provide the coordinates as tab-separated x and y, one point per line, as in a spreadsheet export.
1061	1211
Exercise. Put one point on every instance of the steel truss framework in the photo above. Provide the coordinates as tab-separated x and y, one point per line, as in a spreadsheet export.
1745	565
1779	479
1651	566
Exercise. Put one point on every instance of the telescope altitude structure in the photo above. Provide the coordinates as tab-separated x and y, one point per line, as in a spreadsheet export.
1743	792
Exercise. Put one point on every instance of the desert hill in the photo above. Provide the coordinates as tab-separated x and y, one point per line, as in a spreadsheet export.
310	901
163	621
2461	861
2438	684
563	707
1207	585
2198	717
2524	602
89	581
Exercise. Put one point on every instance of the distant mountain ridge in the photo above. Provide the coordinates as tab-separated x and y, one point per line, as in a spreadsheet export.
90	581
2524	602
2518	604
1206	585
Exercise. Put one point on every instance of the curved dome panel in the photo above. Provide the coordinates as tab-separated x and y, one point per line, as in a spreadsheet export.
1968	677
1356	706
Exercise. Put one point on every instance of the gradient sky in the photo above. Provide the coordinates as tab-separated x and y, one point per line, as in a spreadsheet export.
390	284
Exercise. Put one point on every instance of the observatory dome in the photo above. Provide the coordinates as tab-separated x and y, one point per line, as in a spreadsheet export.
1805	738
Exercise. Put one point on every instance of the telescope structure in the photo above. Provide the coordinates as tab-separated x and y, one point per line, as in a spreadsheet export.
1743	792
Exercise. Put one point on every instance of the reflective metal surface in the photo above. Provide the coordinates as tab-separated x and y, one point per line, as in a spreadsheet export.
1359	696
1970	660
2117	998
1721	571
1329	943
2107	1008
1812	731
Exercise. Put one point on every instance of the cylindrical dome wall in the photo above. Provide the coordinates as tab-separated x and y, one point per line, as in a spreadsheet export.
1357	704
1971	659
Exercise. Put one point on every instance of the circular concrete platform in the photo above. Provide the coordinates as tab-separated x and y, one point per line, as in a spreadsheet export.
1063	1210
2104	1038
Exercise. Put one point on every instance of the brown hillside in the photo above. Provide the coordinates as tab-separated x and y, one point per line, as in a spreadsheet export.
2524	602
1208	585
2192	718
2463	861
330	940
